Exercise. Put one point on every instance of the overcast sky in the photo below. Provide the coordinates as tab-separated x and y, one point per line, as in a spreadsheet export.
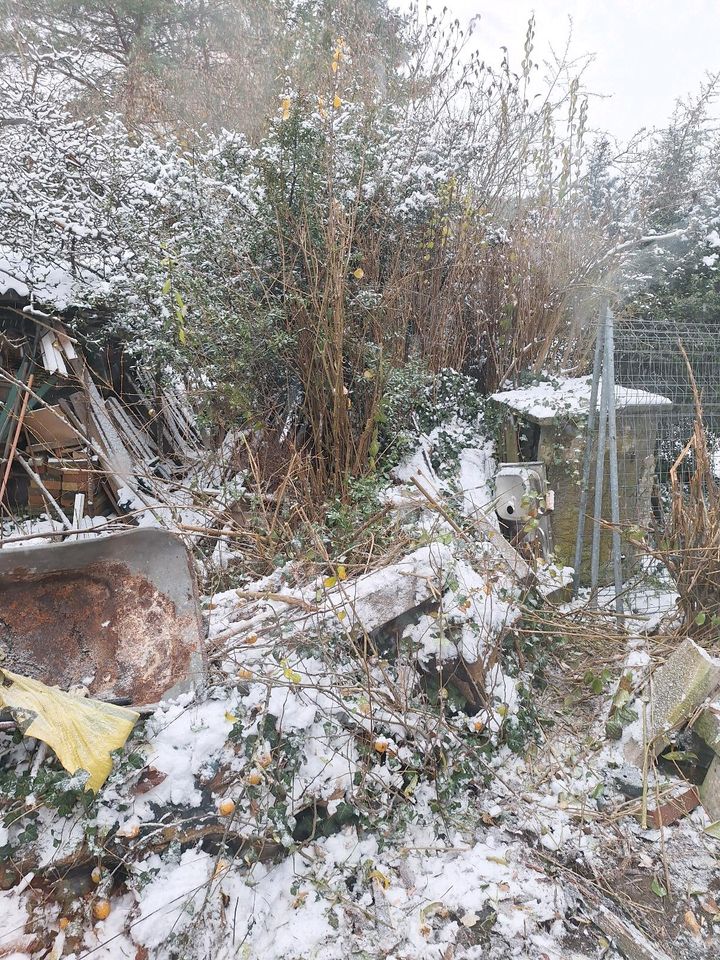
647	52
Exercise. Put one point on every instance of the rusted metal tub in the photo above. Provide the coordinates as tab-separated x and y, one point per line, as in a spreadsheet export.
118	614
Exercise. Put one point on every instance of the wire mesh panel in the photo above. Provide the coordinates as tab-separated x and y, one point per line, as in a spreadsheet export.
649	356
654	356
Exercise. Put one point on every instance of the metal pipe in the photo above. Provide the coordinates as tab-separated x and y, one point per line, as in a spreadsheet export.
599	472
609	373
587	458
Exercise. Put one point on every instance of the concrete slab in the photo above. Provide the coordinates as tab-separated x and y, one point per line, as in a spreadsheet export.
707	726
710	791
678	689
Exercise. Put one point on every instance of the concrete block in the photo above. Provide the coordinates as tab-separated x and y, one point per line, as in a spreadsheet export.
710	791
707	726
679	688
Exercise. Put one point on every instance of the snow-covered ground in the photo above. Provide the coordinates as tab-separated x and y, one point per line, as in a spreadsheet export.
344	788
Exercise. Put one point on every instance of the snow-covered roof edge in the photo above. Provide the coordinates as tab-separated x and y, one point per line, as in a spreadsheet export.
544	403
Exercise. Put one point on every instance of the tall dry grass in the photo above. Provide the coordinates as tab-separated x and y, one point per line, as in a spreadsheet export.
689	545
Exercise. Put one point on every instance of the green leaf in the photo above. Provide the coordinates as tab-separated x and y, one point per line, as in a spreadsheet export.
657	888
700	618
713	830
680	756
166	286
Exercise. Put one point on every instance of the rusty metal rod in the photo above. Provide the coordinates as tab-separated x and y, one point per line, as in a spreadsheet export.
16	437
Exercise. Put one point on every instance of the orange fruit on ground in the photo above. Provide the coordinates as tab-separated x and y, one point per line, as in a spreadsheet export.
101	909
226	807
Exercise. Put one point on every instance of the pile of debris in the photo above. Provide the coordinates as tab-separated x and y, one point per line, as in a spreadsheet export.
84	435
672	747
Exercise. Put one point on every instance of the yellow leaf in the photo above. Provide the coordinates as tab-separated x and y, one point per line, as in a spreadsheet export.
292	675
230	717
285	106
368	375
341	614
342	572
334	66
329	582
359	273
381	879
337	102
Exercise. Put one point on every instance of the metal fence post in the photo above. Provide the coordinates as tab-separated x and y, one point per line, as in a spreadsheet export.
609	374
599	469
587	458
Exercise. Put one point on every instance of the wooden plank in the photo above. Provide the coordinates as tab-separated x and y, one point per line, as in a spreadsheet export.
78	520
183	414
630	941
67	345
116	452
138	438
512	559
114	481
52	357
48	427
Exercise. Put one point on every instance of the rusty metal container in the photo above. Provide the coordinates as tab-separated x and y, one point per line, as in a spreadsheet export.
117	614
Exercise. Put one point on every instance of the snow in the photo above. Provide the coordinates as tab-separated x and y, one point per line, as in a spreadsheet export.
547	401
475	611
477	468
13	917
172	898
182	736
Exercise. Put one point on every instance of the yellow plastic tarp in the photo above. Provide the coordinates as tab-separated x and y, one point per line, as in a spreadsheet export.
82	732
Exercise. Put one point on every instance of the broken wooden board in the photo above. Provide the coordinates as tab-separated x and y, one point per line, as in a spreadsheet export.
50	429
631	941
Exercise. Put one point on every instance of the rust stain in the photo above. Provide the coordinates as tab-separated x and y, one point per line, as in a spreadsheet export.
102	626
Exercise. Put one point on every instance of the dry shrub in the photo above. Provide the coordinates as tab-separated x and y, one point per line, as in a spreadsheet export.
690	543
